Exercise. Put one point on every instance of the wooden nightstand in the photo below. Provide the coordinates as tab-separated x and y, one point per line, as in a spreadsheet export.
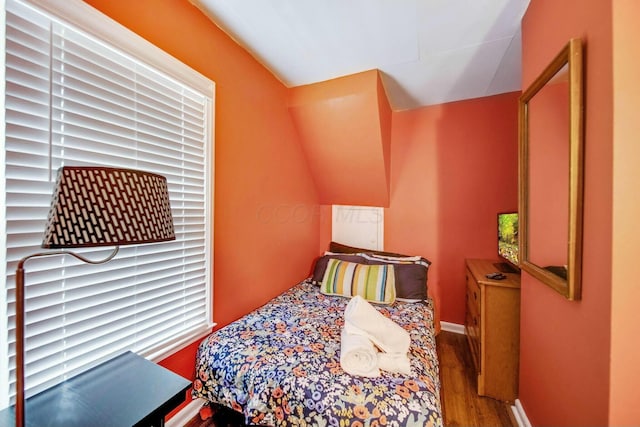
492	325
125	391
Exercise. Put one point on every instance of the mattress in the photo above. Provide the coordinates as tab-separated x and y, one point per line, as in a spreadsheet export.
280	366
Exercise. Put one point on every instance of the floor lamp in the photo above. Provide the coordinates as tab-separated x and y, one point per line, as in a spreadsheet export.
95	206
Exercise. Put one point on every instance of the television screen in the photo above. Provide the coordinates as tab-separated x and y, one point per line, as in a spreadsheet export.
508	237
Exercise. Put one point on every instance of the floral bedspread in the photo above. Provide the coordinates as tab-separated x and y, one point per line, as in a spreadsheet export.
280	366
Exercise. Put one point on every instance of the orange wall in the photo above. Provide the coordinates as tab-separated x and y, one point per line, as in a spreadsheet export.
266	205
453	168
564	345
625	346
385	115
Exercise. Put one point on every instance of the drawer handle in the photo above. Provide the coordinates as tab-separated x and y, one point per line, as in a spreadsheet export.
475	296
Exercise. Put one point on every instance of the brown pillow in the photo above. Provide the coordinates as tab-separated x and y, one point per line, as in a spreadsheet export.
411	276
321	264
345	249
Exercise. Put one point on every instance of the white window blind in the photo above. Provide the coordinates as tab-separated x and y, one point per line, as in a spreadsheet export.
73	98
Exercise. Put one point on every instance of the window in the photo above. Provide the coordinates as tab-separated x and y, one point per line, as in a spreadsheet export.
83	90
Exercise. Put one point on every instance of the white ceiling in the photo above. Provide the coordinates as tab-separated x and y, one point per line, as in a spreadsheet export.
429	51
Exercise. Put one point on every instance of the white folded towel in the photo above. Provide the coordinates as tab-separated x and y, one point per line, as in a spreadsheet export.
358	356
361	318
394	362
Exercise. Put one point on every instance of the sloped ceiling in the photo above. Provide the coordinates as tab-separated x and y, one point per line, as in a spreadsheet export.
428	51
345	131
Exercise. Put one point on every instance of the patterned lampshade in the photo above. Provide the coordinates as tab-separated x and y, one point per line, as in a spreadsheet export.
100	206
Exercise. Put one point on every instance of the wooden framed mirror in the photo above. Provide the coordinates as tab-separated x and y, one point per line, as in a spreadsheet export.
551	173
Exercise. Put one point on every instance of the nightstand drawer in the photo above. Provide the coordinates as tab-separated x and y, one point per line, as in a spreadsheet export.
473	292
472	330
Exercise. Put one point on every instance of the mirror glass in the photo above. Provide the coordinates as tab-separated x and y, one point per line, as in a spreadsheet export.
551	173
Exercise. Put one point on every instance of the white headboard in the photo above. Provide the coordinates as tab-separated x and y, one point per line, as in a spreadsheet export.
361	226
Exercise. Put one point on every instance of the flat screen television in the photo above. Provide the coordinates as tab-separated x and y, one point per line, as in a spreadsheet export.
508	242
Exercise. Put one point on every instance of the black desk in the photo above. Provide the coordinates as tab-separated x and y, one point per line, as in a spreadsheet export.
125	391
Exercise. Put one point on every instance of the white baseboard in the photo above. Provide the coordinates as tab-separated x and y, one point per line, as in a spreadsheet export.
452	327
185	414
520	415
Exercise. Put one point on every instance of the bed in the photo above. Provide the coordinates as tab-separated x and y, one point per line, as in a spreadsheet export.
280	365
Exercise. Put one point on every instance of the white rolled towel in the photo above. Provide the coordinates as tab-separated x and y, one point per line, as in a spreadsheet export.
394	362
361	318
358	356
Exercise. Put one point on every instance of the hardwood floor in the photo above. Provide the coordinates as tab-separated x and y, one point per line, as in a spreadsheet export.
461	405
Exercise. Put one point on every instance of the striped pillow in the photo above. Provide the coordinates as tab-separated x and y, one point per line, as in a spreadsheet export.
374	283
